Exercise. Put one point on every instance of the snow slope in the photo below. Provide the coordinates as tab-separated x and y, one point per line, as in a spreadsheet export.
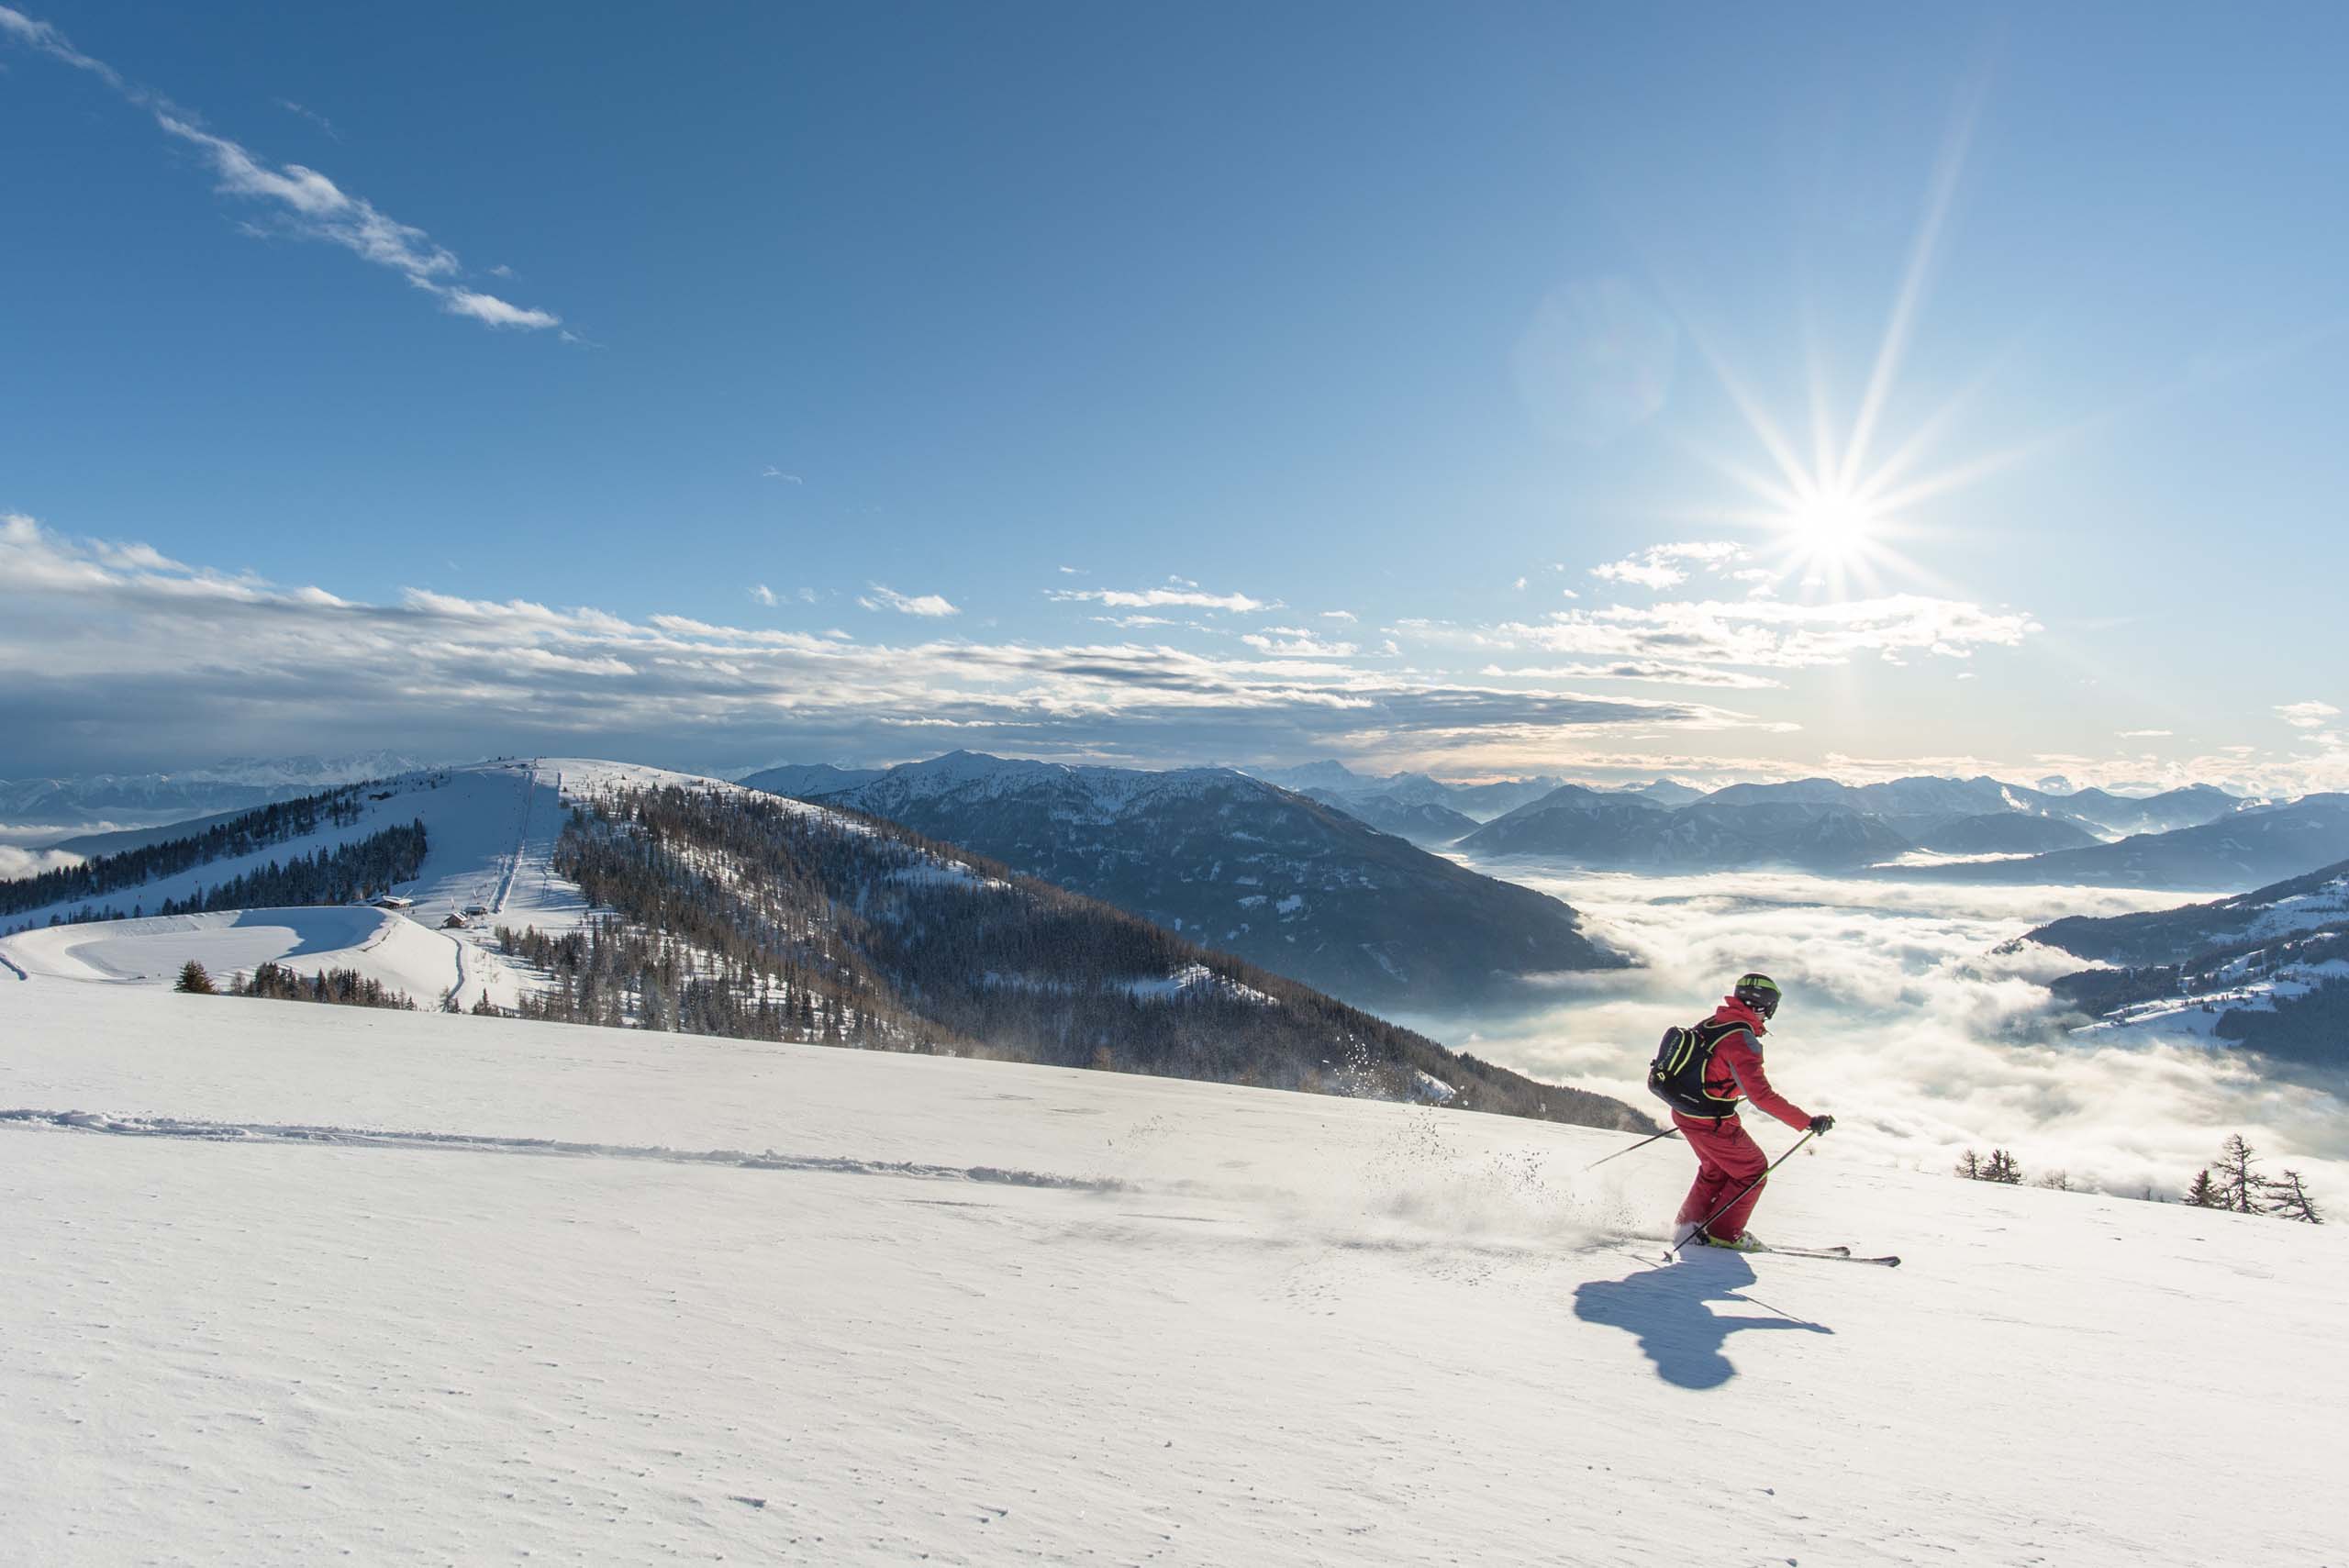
430	966
291	1283
490	830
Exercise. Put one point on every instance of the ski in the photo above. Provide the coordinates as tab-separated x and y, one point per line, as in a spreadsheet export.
1833	1254
1830	1254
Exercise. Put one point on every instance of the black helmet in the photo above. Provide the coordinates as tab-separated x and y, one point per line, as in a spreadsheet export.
1758	991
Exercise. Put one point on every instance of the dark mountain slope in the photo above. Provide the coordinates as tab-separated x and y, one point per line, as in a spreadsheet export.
1240	865
753	916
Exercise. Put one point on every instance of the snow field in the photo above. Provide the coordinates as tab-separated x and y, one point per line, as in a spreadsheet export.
428	965
1091	1318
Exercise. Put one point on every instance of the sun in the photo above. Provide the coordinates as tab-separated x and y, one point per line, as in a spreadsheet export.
1831	528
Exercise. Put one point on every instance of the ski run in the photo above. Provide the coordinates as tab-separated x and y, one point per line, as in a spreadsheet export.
292	1284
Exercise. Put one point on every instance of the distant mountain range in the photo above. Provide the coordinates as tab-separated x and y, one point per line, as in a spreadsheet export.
1821	825
1428	810
1242	866
1631	832
2251	846
138	799
1545	816
801	780
2267	969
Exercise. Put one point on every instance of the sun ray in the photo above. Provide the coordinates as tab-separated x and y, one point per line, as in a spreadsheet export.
1947	168
1765	430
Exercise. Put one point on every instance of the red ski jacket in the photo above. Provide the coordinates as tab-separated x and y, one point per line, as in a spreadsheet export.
1736	1070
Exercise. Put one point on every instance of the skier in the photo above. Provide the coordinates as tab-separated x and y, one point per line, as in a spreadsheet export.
1704	1074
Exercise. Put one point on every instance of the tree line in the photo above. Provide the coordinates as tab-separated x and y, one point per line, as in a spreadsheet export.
241	835
340	988
2231	1184
341	873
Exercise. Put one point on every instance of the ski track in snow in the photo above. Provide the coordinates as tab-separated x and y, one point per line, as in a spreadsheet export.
471	1143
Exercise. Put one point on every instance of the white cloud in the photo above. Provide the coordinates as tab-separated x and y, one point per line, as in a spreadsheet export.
302	202
1657	566
192	662
1653	574
1645	670
1339	615
492	311
771	472
2144	734
16	863
1770	634
928	604
763	593
2306	714
1519	584
1189	595
324	124
1294	642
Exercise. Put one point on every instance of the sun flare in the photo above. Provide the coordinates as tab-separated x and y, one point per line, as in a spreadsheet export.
1830	527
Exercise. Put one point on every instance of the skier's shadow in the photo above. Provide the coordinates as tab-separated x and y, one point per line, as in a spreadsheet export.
1666	1309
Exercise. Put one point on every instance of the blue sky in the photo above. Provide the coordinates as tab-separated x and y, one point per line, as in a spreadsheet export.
1426	386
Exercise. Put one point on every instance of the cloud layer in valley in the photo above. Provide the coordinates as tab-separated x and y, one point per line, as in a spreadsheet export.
1902	1021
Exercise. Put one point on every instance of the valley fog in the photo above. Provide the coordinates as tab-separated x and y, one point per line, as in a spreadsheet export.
1902	1021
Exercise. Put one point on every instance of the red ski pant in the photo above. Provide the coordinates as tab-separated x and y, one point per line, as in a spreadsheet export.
1727	1158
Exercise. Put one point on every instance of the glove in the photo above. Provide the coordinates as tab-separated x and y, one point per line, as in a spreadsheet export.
1822	1123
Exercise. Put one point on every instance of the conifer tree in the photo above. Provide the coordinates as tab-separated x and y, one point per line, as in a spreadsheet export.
1969	1165
195	979
2003	1168
2289	1200
2204	1193
2239	1187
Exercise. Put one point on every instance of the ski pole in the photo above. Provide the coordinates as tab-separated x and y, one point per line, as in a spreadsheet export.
1741	1196
1642	1144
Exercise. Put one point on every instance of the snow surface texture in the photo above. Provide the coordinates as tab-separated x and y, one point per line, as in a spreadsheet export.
291	1284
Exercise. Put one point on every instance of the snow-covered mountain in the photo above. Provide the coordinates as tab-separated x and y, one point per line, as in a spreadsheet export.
1916	806
2244	849
633	895
1422	822
1369	798
1633	832
2268	969
2001	833
1244	867
1827	826
2191	807
293	1285
801	780
142	799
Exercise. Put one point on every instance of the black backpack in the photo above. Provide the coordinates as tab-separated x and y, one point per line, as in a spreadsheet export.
1676	1076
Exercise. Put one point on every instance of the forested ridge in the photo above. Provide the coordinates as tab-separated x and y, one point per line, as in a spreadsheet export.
734	915
241	835
340	873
